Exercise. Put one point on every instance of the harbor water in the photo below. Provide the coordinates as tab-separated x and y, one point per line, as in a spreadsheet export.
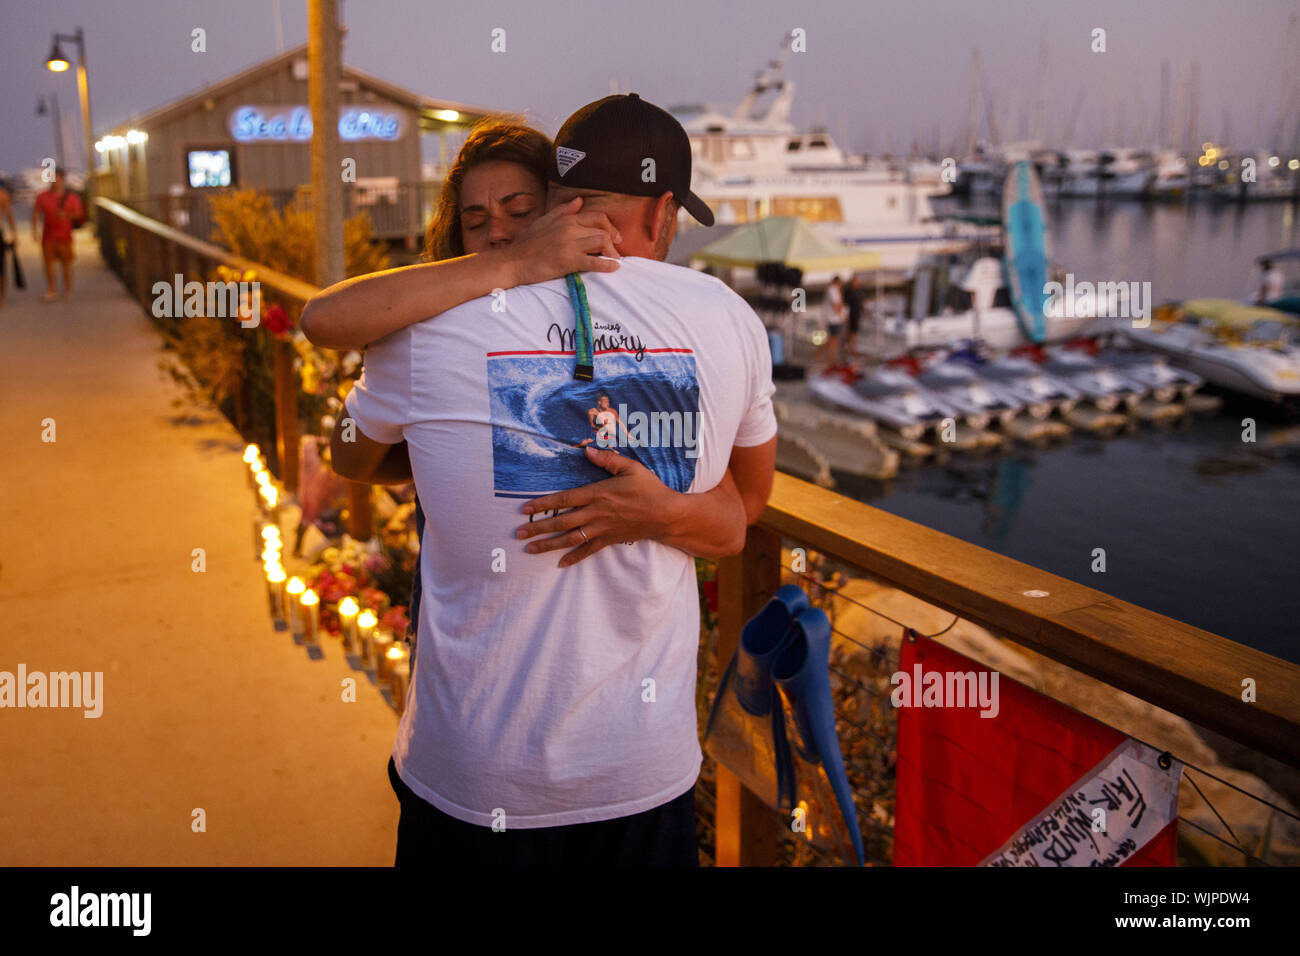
1192	521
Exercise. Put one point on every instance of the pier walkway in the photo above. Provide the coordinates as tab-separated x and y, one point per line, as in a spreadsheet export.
99	527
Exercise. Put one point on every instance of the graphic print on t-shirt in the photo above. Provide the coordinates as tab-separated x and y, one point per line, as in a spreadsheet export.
542	418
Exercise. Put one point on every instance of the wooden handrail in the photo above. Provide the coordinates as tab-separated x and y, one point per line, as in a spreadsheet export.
1183	669
286	285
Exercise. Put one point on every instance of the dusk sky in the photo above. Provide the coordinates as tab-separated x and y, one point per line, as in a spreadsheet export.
878	75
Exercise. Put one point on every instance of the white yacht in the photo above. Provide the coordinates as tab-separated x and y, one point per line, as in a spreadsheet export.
749	164
1116	173
950	300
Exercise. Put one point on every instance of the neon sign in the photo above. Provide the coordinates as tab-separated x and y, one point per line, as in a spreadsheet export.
292	124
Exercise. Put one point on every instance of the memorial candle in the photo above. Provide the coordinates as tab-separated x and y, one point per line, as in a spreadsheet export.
366	622
400	679
311	607
275	578
294	590
348	623
381	642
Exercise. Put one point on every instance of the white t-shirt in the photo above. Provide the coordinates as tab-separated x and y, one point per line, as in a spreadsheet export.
531	693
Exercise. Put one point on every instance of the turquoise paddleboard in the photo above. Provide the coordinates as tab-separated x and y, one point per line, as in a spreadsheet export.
1024	230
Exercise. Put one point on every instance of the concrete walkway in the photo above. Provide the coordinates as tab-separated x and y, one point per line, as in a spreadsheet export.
204	704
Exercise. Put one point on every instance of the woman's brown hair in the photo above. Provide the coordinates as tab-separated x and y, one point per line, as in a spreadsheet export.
490	141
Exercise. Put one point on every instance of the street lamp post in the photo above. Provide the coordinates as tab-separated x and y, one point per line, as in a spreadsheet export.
58	63
52	109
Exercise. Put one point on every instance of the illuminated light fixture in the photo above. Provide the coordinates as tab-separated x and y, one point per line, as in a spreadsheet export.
1274	161
1203	160
250	454
1223	164
1207	146
110	142
56	60
1293	164
136	136
447	116
1211	152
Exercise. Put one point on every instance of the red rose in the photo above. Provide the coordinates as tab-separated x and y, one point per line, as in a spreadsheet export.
277	320
396	619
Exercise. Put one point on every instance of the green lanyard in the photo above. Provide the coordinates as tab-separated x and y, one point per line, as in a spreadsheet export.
585	367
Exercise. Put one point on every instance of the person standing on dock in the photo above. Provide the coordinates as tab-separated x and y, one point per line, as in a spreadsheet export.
57	209
853	298
552	717
1271	282
836	316
8	243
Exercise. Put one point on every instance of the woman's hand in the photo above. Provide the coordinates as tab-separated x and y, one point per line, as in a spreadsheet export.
564	240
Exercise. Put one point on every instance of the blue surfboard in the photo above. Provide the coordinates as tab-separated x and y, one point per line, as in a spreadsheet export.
1024	231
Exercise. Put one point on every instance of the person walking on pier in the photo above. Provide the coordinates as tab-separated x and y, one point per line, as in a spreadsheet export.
8	243
57	210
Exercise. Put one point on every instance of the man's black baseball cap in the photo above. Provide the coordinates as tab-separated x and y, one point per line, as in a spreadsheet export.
605	146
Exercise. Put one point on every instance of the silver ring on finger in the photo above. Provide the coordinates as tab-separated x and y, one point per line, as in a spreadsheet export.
583	533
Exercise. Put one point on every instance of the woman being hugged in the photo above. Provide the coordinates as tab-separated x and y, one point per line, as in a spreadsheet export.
489	231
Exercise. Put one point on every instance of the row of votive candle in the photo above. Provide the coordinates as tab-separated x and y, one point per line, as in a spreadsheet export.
297	607
259	479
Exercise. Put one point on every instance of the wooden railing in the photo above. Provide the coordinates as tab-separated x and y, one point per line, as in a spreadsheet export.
1189	672
1182	669
396	211
143	251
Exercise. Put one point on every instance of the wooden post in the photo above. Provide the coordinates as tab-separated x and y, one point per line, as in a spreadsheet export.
286	415
139	240
747	829
323	56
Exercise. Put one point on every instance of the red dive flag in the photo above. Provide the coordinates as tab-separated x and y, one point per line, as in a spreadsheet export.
1021	786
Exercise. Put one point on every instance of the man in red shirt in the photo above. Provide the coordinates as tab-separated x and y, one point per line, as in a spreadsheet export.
60	209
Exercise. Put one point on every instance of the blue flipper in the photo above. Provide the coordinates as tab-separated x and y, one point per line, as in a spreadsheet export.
746	728
801	671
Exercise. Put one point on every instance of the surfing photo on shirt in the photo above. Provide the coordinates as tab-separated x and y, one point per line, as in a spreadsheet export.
543	418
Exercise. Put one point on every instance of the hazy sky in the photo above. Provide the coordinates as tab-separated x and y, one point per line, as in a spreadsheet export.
878	74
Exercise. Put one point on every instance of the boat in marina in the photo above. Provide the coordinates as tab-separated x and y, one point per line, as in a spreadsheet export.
1173	176
1039	393
1288	261
748	165
965	296
1115	173
1271	180
888	395
981	402
1097	383
1152	374
1253	350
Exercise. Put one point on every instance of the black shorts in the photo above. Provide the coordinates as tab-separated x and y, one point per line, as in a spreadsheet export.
835	329
661	836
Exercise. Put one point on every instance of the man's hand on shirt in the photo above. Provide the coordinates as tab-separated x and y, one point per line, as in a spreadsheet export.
635	505
631	506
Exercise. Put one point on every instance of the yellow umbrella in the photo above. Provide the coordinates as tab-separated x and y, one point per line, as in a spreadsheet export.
788	240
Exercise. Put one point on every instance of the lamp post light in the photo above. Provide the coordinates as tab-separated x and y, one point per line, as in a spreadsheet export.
49	106
58	63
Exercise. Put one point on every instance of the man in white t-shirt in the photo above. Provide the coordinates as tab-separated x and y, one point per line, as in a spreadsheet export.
551	716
